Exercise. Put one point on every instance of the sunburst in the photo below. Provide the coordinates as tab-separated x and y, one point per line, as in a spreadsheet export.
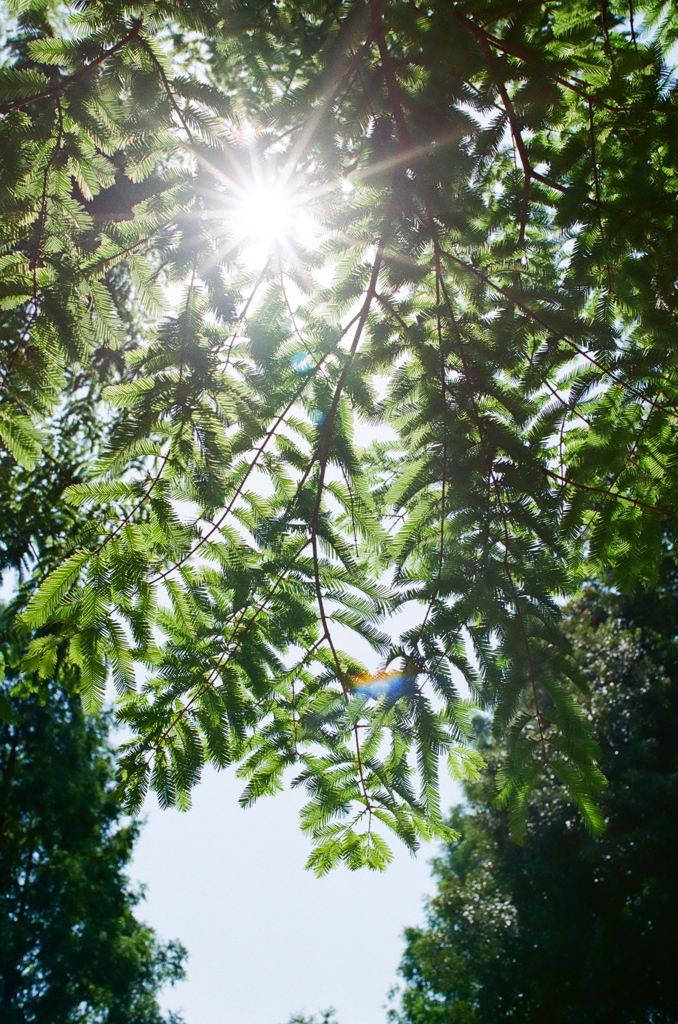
271	216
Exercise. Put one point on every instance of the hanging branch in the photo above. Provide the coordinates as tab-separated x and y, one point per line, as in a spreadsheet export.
533	315
323	448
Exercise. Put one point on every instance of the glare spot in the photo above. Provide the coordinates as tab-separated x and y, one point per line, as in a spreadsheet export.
384	684
301	362
271	216
264	215
317	417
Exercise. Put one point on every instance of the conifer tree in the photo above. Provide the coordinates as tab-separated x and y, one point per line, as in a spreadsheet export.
474	247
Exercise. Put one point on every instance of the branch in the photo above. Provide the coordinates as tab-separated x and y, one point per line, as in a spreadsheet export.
543	323
662	510
77	76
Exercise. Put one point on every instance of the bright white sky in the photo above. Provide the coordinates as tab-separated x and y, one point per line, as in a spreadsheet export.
266	938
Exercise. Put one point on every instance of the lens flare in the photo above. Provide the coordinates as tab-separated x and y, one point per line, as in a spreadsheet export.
384	684
270	216
265	214
301	362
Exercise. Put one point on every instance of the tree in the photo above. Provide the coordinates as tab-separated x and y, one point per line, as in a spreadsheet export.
568	926
326	1017
71	948
490	187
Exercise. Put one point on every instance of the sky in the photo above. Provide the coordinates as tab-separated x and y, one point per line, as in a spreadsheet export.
266	938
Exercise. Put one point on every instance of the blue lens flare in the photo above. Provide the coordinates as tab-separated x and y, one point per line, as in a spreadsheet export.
301	362
316	416
384	684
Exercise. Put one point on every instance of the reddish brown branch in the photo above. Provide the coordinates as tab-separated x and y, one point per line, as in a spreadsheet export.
323	452
77	76
665	511
543	323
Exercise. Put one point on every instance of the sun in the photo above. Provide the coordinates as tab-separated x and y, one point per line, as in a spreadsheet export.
264	214
268	209
270	217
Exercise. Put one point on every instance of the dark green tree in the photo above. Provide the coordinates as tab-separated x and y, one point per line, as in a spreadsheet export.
490	275
569	927
71	948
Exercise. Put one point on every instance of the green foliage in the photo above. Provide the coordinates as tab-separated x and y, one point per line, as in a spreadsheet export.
71	948
494	192
567	926
325	1017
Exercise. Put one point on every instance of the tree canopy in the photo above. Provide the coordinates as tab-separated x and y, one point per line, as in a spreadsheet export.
444	378
568	927
71	948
